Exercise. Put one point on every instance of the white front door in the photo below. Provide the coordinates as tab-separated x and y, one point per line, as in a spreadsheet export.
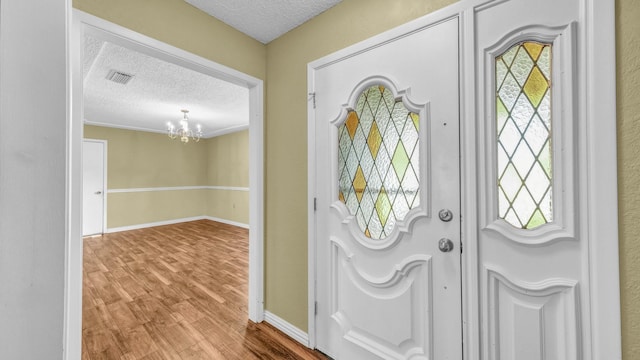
538	188
388	200
93	187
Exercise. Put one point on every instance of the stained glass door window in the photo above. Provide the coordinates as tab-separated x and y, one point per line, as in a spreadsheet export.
378	161
523	114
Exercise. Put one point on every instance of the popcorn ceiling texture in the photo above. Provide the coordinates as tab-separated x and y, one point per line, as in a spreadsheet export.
157	93
263	20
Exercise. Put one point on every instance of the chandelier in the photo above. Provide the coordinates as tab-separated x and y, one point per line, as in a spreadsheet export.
184	132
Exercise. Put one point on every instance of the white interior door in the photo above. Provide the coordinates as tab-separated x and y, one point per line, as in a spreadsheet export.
387	162
93	186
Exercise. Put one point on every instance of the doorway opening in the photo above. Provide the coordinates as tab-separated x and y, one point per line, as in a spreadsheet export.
85	24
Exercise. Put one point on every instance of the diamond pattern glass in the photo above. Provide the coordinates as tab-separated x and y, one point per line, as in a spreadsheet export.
378	161
523	116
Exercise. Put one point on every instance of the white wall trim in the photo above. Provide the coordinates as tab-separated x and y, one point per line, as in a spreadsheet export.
74	244
72	326
84	23
256	202
176	221
207	135
177	188
468	188
287	328
601	223
230	188
228	222
226	131
123	127
152	224
311	211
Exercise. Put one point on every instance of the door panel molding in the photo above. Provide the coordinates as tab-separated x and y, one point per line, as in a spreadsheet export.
399	272
555	305
411	330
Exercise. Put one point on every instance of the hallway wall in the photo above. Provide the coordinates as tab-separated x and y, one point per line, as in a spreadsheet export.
33	189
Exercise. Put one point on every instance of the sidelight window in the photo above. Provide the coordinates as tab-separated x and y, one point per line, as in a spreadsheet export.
524	149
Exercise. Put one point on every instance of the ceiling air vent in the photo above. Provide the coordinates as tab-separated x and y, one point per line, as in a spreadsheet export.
119	77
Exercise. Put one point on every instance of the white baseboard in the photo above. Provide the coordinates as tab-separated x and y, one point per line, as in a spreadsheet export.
286	327
152	224
175	221
225	221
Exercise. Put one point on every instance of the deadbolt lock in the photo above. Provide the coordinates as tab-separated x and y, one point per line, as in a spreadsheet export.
445	215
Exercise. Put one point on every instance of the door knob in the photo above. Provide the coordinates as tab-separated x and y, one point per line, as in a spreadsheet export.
98	192
445	215
445	245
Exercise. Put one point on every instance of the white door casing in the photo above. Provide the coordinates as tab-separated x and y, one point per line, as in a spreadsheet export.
397	296
85	23
550	291
94	155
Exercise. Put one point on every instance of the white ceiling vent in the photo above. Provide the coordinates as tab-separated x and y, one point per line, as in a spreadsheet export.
119	77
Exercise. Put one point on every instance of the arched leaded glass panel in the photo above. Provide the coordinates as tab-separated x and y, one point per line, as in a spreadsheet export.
523	114
378	161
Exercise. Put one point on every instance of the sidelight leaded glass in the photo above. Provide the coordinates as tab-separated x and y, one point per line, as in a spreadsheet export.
378	161
523	113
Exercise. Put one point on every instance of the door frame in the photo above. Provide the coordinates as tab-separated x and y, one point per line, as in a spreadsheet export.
82	23
104	181
598	166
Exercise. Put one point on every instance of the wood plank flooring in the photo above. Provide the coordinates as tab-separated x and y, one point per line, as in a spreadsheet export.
174	292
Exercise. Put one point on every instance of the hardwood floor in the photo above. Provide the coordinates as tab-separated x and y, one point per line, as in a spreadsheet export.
174	292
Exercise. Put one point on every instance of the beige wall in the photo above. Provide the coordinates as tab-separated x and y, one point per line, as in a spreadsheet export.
228	205
137	159
136	208
284	61
228	168
628	92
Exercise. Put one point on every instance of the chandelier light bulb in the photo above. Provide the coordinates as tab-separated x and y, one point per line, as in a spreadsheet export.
184	132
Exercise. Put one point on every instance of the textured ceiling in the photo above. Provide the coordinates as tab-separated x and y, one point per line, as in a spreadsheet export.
157	93
263	20
159	90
